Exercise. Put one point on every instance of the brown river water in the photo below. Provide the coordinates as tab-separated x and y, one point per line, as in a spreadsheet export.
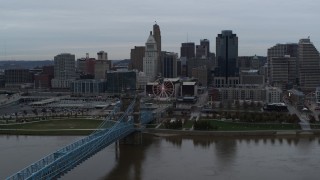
158	158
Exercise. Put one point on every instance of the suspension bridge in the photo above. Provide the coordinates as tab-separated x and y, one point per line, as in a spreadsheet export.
118	125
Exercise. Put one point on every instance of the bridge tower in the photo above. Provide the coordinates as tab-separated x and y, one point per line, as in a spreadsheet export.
126	100
135	137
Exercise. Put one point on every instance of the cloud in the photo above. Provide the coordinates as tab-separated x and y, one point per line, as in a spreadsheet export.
41	29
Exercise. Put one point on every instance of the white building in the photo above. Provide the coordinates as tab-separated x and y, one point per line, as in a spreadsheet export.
102	55
151	59
64	70
245	92
101	65
142	80
273	95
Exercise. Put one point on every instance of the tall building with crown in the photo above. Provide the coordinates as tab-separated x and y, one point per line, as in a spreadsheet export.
151	58
157	38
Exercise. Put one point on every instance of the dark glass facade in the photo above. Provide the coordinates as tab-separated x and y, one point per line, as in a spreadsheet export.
187	50
169	65
226	54
119	82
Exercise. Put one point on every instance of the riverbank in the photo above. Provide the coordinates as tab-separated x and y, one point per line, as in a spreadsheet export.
168	132
81	126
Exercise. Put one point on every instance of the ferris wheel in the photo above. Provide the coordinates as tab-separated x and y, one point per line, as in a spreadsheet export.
163	89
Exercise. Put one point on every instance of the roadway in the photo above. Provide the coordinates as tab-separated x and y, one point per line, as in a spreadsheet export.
304	119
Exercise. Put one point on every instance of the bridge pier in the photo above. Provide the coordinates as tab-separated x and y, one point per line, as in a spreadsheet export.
134	138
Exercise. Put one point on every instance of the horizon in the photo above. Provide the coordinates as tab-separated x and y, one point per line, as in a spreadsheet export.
40	30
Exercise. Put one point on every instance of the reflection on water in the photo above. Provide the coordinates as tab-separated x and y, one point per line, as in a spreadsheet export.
130	160
178	157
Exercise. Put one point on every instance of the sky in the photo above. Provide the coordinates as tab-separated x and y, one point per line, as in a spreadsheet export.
39	30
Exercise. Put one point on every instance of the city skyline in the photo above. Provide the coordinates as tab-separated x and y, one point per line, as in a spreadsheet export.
37	30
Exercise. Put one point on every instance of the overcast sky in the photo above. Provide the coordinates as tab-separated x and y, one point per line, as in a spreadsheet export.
38	29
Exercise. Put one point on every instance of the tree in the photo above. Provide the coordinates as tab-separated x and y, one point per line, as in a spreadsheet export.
35	111
245	105
237	104
204	125
252	104
312	119
44	111
229	105
170	112
259	104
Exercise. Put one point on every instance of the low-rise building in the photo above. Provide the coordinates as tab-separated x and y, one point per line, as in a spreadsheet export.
251	77
88	86
273	95
201	73
17	77
121	81
242	92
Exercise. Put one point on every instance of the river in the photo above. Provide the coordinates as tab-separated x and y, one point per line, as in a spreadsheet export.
185	158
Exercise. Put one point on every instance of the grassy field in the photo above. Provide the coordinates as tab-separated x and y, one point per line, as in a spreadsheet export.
232	126
188	124
53	127
81	126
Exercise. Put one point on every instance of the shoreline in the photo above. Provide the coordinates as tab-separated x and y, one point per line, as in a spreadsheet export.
165	132
274	133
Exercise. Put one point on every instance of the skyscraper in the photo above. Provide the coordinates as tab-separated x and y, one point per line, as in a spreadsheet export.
205	43
101	65
151	58
226	55
203	50
102	55
280	51
136	57
169	64
157	36
187	50
309	66
283	72
64	70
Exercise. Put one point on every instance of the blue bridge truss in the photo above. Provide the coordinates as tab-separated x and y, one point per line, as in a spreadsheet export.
65	159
